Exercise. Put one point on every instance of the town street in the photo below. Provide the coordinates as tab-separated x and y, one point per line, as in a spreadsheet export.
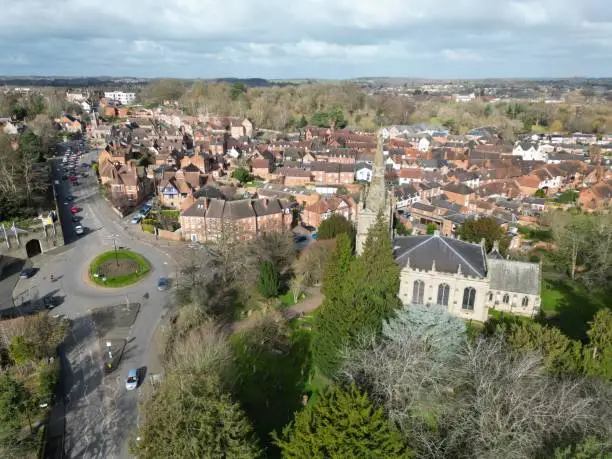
99	413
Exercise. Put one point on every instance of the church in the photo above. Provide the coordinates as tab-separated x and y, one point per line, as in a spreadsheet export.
456	274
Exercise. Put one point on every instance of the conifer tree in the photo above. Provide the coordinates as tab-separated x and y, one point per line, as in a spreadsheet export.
359	302
342	424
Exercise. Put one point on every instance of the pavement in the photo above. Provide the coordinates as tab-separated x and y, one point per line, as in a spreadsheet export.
99	415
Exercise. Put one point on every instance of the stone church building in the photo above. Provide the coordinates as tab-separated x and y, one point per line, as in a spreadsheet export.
450	272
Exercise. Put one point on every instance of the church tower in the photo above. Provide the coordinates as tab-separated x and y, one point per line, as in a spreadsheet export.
375	199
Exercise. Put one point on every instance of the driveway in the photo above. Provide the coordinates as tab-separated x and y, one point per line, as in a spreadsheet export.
99	412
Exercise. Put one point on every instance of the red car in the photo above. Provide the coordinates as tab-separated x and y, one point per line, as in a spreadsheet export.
75	209
72	178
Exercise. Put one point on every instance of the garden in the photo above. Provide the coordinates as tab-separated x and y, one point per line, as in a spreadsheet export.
118	268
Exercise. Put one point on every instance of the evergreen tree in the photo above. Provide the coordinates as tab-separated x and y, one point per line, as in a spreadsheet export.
598	353
269	279
337	265
342	424
335	225
364	297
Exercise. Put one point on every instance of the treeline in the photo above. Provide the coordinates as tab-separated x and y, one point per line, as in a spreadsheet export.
282	108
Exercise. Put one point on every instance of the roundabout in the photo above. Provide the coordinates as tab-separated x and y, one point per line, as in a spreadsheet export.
118	268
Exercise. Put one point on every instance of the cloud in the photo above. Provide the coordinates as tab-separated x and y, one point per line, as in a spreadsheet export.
307	38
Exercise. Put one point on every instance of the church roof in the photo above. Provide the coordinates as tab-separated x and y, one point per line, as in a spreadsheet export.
514	276
448	253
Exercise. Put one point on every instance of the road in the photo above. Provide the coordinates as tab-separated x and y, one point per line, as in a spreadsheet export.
99	413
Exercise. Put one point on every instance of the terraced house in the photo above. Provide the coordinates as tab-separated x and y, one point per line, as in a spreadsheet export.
207	219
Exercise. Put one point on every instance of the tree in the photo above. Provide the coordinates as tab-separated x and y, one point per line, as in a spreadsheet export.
455	397
598	351
487	228
269	279
366	296
337	265
236	90
15	400
431	228
302	122
540	193
21	350
561	355
242	175
311	263
341	424
570	233
334	225
190	416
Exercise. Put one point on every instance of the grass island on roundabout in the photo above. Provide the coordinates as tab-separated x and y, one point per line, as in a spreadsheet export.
118	268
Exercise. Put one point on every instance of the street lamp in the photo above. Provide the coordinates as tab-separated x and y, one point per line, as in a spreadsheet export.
114	238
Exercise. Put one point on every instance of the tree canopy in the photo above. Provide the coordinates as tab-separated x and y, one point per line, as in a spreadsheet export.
343	423
487	228
334	225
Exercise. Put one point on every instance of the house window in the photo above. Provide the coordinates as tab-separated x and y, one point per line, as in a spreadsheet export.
443	292
506	299
418	289
525	302
469	296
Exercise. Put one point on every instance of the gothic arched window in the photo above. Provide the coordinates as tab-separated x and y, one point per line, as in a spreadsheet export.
506	299
525	302
469	296
443	292
418	289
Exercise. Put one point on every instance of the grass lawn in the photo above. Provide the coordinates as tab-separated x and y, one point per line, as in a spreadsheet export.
132	268
570	306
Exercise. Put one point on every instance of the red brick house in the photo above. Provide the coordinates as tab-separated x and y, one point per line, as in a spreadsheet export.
206	219
314	214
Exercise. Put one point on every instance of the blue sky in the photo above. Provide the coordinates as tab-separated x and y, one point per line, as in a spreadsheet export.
307	38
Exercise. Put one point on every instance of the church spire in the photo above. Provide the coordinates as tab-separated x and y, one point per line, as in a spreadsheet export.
376	197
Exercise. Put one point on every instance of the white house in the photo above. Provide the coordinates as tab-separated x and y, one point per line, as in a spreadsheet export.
363	172
118	96
531	151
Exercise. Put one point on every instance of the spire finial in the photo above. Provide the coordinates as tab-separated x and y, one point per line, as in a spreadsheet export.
459	269
433	266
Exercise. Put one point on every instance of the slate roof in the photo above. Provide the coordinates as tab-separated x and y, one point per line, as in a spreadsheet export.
514	276
448	253
197	209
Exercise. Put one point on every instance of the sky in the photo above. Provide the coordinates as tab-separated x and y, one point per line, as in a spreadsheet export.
285	39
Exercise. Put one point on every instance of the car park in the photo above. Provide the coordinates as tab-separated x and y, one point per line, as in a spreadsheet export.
131	381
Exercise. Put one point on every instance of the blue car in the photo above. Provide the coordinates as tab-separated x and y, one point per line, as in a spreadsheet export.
162	284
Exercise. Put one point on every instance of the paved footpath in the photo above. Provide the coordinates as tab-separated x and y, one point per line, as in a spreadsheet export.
309	304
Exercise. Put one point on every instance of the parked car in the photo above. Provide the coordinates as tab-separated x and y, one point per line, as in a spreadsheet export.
69	198
75	209
299	238
50	302
163	283
76	218
26	273
136	219
131	381
79	229
72	178
64	177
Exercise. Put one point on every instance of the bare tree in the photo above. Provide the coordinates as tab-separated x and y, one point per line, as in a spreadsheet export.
456	398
